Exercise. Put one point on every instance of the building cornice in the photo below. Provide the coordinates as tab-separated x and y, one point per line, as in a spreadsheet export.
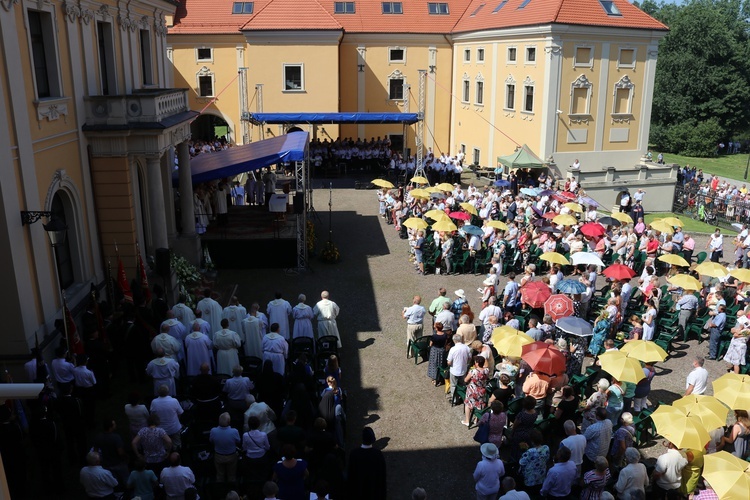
559	30
294	37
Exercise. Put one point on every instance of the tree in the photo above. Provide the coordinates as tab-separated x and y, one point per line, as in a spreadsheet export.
702	82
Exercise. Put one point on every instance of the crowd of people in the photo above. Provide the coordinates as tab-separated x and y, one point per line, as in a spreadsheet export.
246	403
709	198
574	433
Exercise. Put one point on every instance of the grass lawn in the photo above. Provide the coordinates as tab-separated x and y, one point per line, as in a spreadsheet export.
690	225
730	166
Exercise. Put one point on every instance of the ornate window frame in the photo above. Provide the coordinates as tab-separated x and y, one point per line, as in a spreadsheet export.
203	72
624	83
397	61
198	59
582	82
479	84
529	83
510	81
466	89
397	75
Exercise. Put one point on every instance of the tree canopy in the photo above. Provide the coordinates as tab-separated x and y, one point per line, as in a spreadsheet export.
702	81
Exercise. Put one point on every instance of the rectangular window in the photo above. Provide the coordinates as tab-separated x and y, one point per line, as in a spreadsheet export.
437	8
396	89
147	69
293	77
466	91
396	55
627	58
476	156
206	86
476	11
204	54
242	7
610	8
480	93
523	4
580	100
583	56
530	54
480	55
510	96
392	8
512	54
467	55
44	54
463	148
106	58
528	103
500	6
343	7
622	101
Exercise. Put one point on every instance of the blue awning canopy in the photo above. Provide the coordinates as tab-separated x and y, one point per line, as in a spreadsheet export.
333	118
233	161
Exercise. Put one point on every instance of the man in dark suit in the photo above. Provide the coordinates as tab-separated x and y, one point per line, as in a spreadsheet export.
366	479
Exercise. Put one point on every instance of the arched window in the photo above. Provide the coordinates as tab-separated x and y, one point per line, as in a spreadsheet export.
63	255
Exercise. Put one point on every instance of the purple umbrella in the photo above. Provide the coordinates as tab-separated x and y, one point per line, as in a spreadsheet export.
589	201
547	192
537	211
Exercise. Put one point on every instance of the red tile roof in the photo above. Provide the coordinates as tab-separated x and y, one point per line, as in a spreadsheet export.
582	12
215	16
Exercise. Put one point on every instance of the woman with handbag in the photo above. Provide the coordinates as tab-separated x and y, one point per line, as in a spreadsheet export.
494	422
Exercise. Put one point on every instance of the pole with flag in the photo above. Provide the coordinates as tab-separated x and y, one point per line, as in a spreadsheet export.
122	278
142	275
75	346
110	287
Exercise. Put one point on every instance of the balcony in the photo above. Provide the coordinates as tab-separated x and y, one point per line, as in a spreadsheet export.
143	109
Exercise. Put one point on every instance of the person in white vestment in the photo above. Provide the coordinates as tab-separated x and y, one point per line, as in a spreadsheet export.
176	328
199	350
167	343
278	311
252	336
164	370
275	349
201	218
303	315
326	311
205	326
264	413
183	313
255	311
235	313
210	311
226	342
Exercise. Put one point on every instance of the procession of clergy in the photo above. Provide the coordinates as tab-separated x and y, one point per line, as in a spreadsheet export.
190	337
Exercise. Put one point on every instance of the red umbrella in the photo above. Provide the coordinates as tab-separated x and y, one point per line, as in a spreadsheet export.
559	306
550	215
535	294
618	272
544	358
568	195
560	198
460	215
592	229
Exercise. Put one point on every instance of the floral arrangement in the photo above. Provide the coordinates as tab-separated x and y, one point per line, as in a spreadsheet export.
310	237
187	275
330	253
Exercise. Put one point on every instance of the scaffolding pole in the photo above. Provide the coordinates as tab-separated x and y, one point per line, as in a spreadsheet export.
302	178
259	107
419	135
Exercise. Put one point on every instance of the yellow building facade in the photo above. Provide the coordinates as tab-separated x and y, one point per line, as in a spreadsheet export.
573	79
91	123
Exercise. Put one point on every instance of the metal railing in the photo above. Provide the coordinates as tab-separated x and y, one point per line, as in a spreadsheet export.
709	207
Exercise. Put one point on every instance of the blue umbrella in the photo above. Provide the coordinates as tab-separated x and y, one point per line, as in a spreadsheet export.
589	201
502	183
528	191
469	229
571	286
574	326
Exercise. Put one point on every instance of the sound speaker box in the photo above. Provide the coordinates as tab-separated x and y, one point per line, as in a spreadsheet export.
162	261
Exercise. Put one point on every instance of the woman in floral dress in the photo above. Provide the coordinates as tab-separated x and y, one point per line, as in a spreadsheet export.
601	330
737	351
476	388
597	400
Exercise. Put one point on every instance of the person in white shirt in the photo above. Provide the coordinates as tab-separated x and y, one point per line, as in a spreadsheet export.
576	443
168	409
697	379
176	478
97	481
667	475
716	245
509	488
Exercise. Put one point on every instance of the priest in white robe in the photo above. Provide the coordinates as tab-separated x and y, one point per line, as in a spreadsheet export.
255	311
205	326
183	313
164	370
171	347
226	342
176	328
326	311
235	313
303	315
210	311
252	336
278	311
198	350
275	349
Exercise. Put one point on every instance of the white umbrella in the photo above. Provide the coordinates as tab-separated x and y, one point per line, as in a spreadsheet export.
586	258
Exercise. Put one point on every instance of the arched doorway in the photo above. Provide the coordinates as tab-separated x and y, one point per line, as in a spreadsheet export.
208	127
294	129
62	211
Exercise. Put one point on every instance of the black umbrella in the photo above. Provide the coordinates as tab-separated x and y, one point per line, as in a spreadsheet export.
609	221
550	229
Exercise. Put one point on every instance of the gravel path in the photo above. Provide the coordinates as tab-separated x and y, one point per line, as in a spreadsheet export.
420	434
